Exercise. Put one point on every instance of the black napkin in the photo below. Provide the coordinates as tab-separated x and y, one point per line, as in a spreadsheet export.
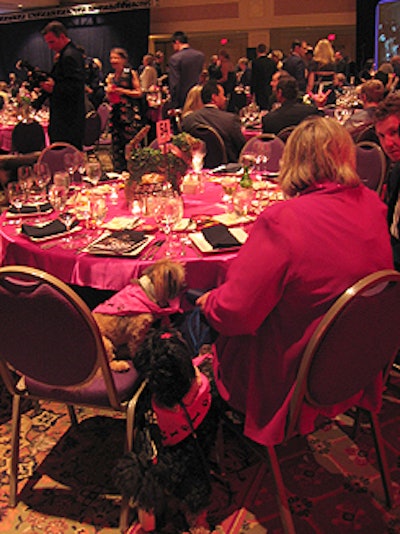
43	208
219	236
53	228
119	242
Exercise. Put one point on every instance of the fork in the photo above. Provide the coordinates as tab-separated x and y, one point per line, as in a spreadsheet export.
152	250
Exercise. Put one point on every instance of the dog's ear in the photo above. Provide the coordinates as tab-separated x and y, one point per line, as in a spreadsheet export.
168	280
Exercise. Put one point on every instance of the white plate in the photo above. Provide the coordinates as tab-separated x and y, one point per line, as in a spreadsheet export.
203	245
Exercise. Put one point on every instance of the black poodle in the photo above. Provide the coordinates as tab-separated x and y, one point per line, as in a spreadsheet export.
168	474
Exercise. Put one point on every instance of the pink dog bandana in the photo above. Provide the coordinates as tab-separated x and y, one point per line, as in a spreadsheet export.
173	422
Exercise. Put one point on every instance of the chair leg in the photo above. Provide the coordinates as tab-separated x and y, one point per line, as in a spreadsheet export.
15	432
284	510
382	458
72	415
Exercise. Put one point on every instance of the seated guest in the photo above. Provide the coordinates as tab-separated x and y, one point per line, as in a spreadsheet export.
213	114
301	254
387	127
371	93
193	100
291	112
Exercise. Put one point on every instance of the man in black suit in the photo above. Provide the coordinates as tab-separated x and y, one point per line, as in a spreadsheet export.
185	67
291	112
262	69
65	87
213	114
295	64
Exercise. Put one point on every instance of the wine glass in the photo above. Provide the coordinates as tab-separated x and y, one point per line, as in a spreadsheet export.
98	207
72	161
58	195
16	198
26	179
93	172
168	211
67	217
42	174
229	184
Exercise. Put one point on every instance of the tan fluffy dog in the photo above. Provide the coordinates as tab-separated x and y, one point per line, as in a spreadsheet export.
127	316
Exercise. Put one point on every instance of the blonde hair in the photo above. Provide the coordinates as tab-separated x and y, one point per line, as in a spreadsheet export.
193	100
318	150
323	52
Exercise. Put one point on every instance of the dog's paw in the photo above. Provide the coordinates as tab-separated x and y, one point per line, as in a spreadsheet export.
119	366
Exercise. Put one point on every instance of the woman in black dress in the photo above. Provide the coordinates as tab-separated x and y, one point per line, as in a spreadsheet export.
125	96
322	71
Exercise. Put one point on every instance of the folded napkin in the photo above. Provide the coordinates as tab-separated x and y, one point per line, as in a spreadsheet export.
46	230
30	208
119	242
219	236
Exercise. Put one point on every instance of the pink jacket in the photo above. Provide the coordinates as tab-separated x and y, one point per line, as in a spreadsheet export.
301	255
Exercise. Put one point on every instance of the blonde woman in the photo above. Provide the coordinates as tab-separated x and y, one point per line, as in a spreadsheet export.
301	254
124	94
322	72
193	100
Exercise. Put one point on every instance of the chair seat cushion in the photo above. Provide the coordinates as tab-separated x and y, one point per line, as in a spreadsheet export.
92	393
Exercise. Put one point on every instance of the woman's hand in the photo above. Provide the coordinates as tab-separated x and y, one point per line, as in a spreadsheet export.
201	301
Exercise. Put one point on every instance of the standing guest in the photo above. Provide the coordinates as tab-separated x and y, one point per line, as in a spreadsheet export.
291	112
295	64
65	87
159	63
148	76
371	93
387	127
227	79
261	74
214	68
241	88
288	274
124	94
213	114
277	58
322	70
185	67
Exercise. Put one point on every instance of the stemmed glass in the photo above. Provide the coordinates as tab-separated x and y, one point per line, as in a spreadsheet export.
98	209
16	198
229	184
25	179
67	217
72	162
168	211
93	172
42	174
58	195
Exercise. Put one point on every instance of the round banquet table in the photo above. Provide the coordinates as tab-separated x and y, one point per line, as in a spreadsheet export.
79	268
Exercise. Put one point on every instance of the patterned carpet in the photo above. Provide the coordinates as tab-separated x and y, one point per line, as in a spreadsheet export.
65	484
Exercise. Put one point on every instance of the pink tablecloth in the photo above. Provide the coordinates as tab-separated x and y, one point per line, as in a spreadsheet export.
113	273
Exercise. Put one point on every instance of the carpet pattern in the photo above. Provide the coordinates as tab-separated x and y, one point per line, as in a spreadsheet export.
65	483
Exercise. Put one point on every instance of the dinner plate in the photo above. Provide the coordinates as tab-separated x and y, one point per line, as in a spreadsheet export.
203	245
135	250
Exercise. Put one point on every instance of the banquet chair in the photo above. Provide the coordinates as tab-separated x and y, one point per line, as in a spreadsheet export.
285	133
9	164
215	146
92	131
27	137
52	350
54	154
268	145
350	352
368	134
371	165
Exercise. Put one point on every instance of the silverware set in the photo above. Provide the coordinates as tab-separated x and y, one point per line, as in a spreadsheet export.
152	250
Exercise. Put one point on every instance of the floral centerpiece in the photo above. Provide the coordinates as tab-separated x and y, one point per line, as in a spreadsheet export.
167	164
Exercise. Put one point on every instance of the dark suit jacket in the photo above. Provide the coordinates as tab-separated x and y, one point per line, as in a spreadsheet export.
296	67
289	114
261	74
225	123
392	195
185	67
67	101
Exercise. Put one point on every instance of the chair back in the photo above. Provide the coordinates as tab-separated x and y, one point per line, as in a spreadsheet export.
267	145
28	136
371	164
368	134
48	334
104	111
357	339
92	129
285	133
54	154
215	146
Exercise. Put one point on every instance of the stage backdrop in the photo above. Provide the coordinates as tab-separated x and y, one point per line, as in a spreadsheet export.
96	33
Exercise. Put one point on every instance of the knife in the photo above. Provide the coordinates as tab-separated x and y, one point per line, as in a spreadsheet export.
152	250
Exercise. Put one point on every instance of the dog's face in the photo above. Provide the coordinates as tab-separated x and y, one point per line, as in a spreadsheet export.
168	278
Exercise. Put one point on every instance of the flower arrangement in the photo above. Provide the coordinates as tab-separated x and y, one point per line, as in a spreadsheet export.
171	162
